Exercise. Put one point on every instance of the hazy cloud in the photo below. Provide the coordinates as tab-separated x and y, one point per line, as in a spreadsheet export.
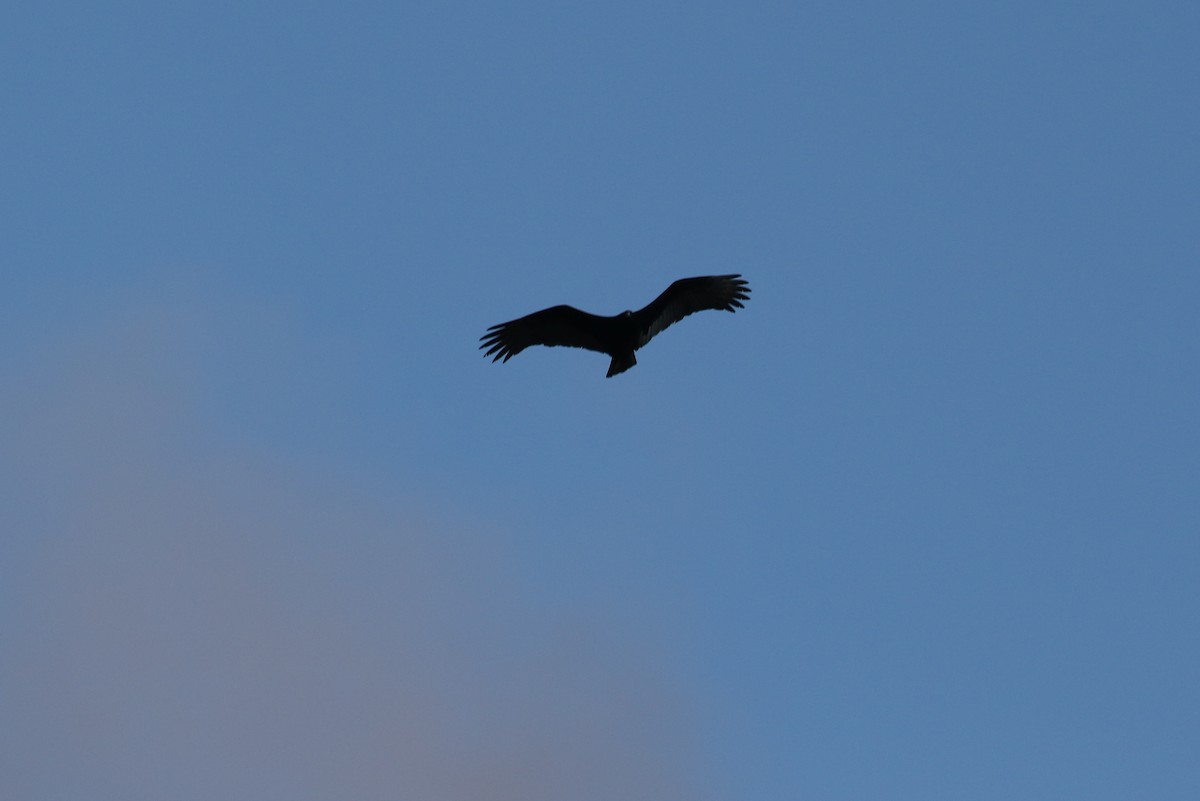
185	619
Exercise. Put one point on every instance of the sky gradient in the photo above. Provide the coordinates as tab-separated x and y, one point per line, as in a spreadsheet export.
920	522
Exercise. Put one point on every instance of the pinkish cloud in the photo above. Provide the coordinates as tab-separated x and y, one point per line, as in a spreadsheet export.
187	620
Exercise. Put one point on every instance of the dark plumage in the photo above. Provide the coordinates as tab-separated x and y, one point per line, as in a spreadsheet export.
618	336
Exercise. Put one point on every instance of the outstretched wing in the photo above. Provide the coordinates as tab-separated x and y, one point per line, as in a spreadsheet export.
558	325
688	296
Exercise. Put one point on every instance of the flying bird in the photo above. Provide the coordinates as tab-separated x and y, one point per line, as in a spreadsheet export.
620	335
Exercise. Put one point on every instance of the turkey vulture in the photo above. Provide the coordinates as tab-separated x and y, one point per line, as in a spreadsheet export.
618	336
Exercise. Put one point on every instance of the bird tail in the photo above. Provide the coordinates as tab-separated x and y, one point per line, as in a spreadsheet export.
620	363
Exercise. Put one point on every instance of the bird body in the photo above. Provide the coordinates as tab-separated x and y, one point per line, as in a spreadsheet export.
622	334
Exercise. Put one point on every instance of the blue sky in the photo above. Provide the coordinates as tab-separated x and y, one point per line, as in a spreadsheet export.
919	523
